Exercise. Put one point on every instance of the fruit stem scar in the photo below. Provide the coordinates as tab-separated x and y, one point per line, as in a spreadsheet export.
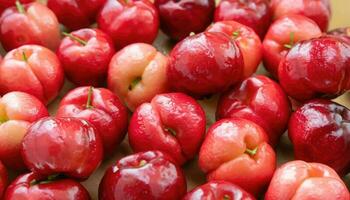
251	152
20	7
291	41
172	131
24	57
134	83
142	163
226	197
192	33
75	38
89	98
48	180
235	34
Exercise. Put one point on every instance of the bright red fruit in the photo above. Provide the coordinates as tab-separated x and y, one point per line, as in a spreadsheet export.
173	123
260	100
317	10
147	175
253	13
28	186
282	35
343	33
237	150
25	25
85	55
218	190
178	18
101	108
68	146
32	69
130	21
137	73
317	67
17	111
205	64
76	14
10	3
246	39
319	131
304	181
3	179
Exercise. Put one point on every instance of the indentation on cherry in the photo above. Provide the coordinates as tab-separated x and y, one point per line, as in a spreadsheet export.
134	83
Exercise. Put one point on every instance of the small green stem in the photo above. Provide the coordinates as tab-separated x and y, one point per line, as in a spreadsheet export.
172	131
142	163
89	99
134	83
20	7
235	34
251	152
291	41
75	38
24	57
226	197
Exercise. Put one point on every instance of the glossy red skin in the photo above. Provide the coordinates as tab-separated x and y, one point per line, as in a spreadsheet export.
108	114
9	3
76	14
317	10
319	131
316	68
3	179
304	181
158	179
247	40
253	13
17	29
68	146
179	18
260	100
218	190
128	22
42	73
343	33
205	64
278	35
223	154
63	189
17	111
148	129
86	64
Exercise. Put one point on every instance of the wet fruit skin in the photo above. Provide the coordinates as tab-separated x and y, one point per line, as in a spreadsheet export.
27	186
343	33
319	131
67	146
10	3
178	18
105	111
205	64
236	150
37	67
253	13
317	10
283	34
3	179
260	100
91	55
304	181
128	22
218	190
173	123
146	175
246	39
76	14
27	27
17	111
305	71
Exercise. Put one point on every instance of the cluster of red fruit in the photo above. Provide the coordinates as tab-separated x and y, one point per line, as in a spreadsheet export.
166	130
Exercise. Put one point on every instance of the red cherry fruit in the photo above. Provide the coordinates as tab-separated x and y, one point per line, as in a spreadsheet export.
343	33
282	35
218	190
260	100
317	10
85	55
3	179
147	175
27	186
319	131
315	68
10	3
246	39
178	18
17	111
32	69
253	13
129	21
173	123
205	64
76	14
24	24
101	108
68	146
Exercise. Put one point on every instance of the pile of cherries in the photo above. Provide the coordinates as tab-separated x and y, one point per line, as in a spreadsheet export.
117	70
